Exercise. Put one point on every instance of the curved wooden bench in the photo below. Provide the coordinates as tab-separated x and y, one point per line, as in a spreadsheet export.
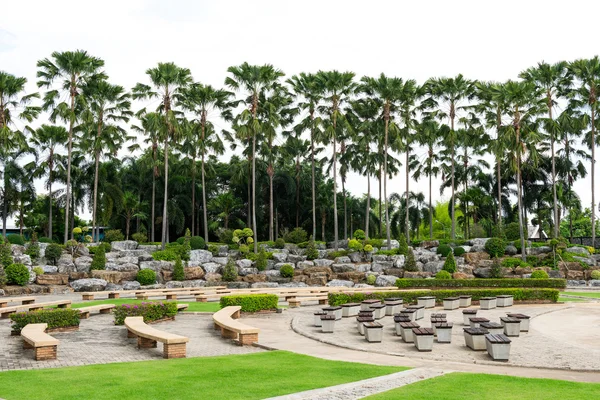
225	320
84	312
6	311
35	337
147	336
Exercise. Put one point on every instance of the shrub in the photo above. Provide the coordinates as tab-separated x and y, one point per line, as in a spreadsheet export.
514	263
38	270
511	231
359	234
180	240
403	246
165	255
459	251
595	274
335	254
152	311
178	272
33	250
298	235
251	302
45	239
539	274
186	248
496	269
495	247
15	239
230	272
529	294
444	275
410	264
532	260
375	242
146	277
72	246
243	236
368	248
55	318
261	260
113	235
5	253
391	252
279	243
371	279
17	274
355	245
214	249
244	249
99	260
444	250
225	236
311	250
53	253
482	283
197	243
450	264
287	271
140	237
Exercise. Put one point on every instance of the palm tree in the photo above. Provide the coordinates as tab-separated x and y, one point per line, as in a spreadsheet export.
107	105
73	70
446	95
585	96
306	88
168	79
225	205
131	209
552	79
336	88
253	79
202	100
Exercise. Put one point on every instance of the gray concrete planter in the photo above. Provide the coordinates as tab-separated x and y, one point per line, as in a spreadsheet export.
397	321
366	304
335	311
468	314
444	332
378	311
318	316
524	321
420	311
423	338
512	326
410	313
407	333
504	300
350	309
464	301
475	338
498	347
493	327
475	322
426	301
392	308
360	321
327	323
373	332
451	303
487	303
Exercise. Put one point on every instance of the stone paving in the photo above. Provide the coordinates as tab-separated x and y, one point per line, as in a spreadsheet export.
99	341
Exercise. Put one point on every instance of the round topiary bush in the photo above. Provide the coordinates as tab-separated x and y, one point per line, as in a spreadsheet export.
511	231
45	239
444	250
197	243
443	275
279	243
371	279
450	264
53	253
287	271
539	274
298	235
38	270
595	274
15	239
495	247
459	251
146	277
359	234
17	274
355	245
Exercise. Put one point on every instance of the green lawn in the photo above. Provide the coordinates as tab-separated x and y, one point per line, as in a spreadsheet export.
459	386
249	376
595	295
572	300
193	305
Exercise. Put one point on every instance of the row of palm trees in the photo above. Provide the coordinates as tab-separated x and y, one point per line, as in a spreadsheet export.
367	122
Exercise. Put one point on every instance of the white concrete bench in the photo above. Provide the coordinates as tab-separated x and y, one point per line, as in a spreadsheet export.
84	312
22	300
6	311
174	346
225	320
35	337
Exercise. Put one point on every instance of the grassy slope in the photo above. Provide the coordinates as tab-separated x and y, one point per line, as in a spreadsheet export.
595	295
193	305
459	386
249	376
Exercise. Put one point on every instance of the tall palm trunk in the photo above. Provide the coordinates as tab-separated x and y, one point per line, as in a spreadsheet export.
335	209
465	188
407	194
554	196
312	161
50	200
95	230
4	210
204	211
154	174
452	114
323	220
593	176
270	172
254	133
430	207
194	194
385	149
519	187
297	190
250	201
498	171
69	151
380	200
368	210
165	226
343	176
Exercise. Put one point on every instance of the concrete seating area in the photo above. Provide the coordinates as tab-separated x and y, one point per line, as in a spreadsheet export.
497	346
115	294
225	320
174	346
35	337
6	311
22	300
327	323
84	312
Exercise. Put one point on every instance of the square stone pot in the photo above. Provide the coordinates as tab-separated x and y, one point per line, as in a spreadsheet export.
475	322
366	304
335	311
392	308
407	333
468	314
412	314
524	321
423	338
464	301
397	320
498	350
378	311
504	300
426	301
451	303
350	309
487	303
475	338
512	326
360	323
373	332
318	316
327	323
493	327
420	311
444	332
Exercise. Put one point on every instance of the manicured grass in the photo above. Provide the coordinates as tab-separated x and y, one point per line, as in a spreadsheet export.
459	386
595	295
193	305
572	300
249	376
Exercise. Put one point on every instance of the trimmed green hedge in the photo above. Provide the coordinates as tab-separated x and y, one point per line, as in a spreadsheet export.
55	318
251	302
336	299
150	311
481	283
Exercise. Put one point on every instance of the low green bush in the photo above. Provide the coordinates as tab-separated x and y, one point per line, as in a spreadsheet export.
496	269
402	245
146	277
113	235
539	274
335	254
443	275
5	253
38	270
514	263
495	247
311	250
140	237
151	311
99	259
261	260
55	318
178	271
375	242
230	272
355	245
53	253
482	283
165	255
251	302
459	251
595	274
17	274
391	252
214	249
371	279
450	264
45	239
359	234
15	239
225	236
298	235
519	294
287	271
279	243
444	250
33	250
197	243
410	264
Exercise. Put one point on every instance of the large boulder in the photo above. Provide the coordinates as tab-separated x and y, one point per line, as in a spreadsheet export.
322	262
510	250
121	267
478	241
475	258
83	264
343	267
49	269
578	250
586	260
253	278
280	257
128	260
427	244
192	273
157	266
433	266
362	267
22	259
124	245
89	285
264	285
293	284
340	283
213	277
131	285
220	260
248	271
200	256
398	260
539	250
394	244
343	260
355	256
394	271
212	267
244	263
482	272
351	276
379	257
379	266
386	280
52	279
108	276
304	264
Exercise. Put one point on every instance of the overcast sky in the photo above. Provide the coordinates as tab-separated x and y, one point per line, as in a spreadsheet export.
483	40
